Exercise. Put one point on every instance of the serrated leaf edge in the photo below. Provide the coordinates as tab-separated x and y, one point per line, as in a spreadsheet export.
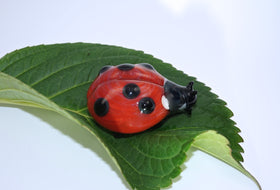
221	143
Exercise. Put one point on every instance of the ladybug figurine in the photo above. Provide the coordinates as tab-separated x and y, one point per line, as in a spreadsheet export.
131	98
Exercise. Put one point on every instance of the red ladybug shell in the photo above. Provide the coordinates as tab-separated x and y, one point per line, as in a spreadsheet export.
127	98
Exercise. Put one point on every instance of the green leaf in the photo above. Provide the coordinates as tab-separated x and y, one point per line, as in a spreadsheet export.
218	146
56	77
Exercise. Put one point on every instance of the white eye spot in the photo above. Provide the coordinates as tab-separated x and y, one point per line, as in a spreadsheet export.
165	102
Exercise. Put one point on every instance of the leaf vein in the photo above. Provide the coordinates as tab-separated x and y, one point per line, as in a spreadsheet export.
24	57
68	89
74	65
38	65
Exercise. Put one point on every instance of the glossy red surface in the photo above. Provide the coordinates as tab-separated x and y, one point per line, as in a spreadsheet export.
124	115
138	73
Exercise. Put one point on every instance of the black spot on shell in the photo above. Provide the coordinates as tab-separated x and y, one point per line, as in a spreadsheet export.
125	67
131	90
105	68
101	107
148	66
146	105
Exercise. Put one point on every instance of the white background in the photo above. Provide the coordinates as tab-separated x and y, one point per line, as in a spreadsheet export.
233	46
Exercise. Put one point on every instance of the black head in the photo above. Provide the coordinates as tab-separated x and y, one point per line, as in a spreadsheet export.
179	97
